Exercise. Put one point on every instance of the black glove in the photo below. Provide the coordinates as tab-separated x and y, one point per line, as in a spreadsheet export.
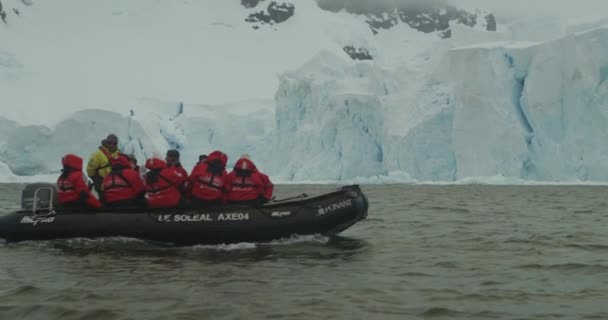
262	200
97	182
83	196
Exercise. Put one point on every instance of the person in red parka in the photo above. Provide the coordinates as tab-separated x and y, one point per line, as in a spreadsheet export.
123	187
208	180
244	184
163	184
268	186
73	191
172	159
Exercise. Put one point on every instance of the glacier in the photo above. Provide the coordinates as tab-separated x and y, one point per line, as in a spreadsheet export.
533	111
149	129
329	121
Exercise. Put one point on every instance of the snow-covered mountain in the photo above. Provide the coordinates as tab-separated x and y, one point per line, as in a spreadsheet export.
314	91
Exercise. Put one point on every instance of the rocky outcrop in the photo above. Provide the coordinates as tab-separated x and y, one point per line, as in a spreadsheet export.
2	13
429	19
250	3
358	53
377	21
275	13
425	16
490	22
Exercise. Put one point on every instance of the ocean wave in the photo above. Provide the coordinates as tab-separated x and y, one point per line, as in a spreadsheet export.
570	266
588	246
415	274
450	209
21	290
443	312
31	310
440	312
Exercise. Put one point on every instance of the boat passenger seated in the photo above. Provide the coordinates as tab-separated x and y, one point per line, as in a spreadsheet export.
73	191
123	187
268	187
163	184
201	158
132	161
172	160
208	180
99	162
244	184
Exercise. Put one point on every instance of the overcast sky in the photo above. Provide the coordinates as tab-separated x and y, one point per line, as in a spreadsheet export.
560	8
369	5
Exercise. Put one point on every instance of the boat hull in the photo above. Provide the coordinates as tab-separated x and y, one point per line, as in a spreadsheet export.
327	214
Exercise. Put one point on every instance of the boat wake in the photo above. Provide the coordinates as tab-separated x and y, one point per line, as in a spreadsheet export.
293	240
126	244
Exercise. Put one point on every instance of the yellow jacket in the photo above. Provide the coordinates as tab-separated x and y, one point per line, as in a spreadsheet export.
99	162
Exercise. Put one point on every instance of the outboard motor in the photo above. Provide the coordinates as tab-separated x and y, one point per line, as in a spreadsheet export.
39	196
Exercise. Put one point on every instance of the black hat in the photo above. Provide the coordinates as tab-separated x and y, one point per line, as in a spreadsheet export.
111	138
173	153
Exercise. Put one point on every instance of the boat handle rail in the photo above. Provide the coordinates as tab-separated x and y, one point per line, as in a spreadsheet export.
50	208
303	195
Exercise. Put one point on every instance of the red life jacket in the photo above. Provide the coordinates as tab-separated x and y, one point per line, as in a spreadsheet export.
244	182
72	186
207	185
180	169
268	186
208	179
108	155
122	183
163	184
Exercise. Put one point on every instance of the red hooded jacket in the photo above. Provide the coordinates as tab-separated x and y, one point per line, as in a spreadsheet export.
244	183
123	182
268	186
163	184
179	169
208	179
72	186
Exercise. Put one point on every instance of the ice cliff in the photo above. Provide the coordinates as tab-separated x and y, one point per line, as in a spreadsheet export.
535	111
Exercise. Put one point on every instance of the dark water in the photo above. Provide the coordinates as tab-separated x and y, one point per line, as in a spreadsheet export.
437	252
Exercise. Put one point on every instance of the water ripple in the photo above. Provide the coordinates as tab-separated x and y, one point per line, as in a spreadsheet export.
441	252
568	267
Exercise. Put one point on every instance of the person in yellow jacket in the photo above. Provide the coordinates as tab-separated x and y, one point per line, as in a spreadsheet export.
99	162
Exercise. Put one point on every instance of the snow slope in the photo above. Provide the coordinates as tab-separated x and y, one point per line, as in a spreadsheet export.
107	54
525	103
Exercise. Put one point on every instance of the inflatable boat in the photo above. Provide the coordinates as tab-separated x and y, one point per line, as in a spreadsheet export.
326	214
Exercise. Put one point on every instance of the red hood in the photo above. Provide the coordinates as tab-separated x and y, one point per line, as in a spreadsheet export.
121	161
245	164
72	161
217	155
155	163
